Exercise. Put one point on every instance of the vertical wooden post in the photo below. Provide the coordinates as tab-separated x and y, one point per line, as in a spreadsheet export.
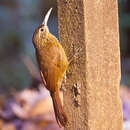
91	100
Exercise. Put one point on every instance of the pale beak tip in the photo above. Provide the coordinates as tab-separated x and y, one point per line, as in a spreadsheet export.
50	9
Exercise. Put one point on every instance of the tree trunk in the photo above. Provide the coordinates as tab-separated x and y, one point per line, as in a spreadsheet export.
89	32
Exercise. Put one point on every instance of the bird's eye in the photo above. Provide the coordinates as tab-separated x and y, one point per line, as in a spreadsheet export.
42	30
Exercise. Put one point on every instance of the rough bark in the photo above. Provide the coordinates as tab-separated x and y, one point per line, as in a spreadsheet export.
91	99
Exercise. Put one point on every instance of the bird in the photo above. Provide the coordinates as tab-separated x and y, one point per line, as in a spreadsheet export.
53	63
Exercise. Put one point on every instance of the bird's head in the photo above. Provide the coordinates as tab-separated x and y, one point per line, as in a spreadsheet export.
42	31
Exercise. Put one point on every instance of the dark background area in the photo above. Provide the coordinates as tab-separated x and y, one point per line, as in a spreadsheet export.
19	19
124	29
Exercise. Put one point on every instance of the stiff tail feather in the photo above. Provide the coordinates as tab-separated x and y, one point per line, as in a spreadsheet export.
60	115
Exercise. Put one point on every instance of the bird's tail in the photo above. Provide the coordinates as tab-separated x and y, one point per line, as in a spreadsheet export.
60	115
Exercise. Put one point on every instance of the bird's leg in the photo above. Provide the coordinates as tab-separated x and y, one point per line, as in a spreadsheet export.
76	53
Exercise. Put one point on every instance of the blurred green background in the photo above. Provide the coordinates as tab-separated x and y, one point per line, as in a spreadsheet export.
19	19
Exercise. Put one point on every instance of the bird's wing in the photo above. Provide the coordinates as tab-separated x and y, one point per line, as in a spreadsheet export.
52	66
41	73
43	78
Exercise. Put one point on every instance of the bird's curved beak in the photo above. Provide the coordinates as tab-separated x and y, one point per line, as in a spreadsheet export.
46	17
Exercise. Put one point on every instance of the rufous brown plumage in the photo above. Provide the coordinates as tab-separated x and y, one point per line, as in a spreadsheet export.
53	63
